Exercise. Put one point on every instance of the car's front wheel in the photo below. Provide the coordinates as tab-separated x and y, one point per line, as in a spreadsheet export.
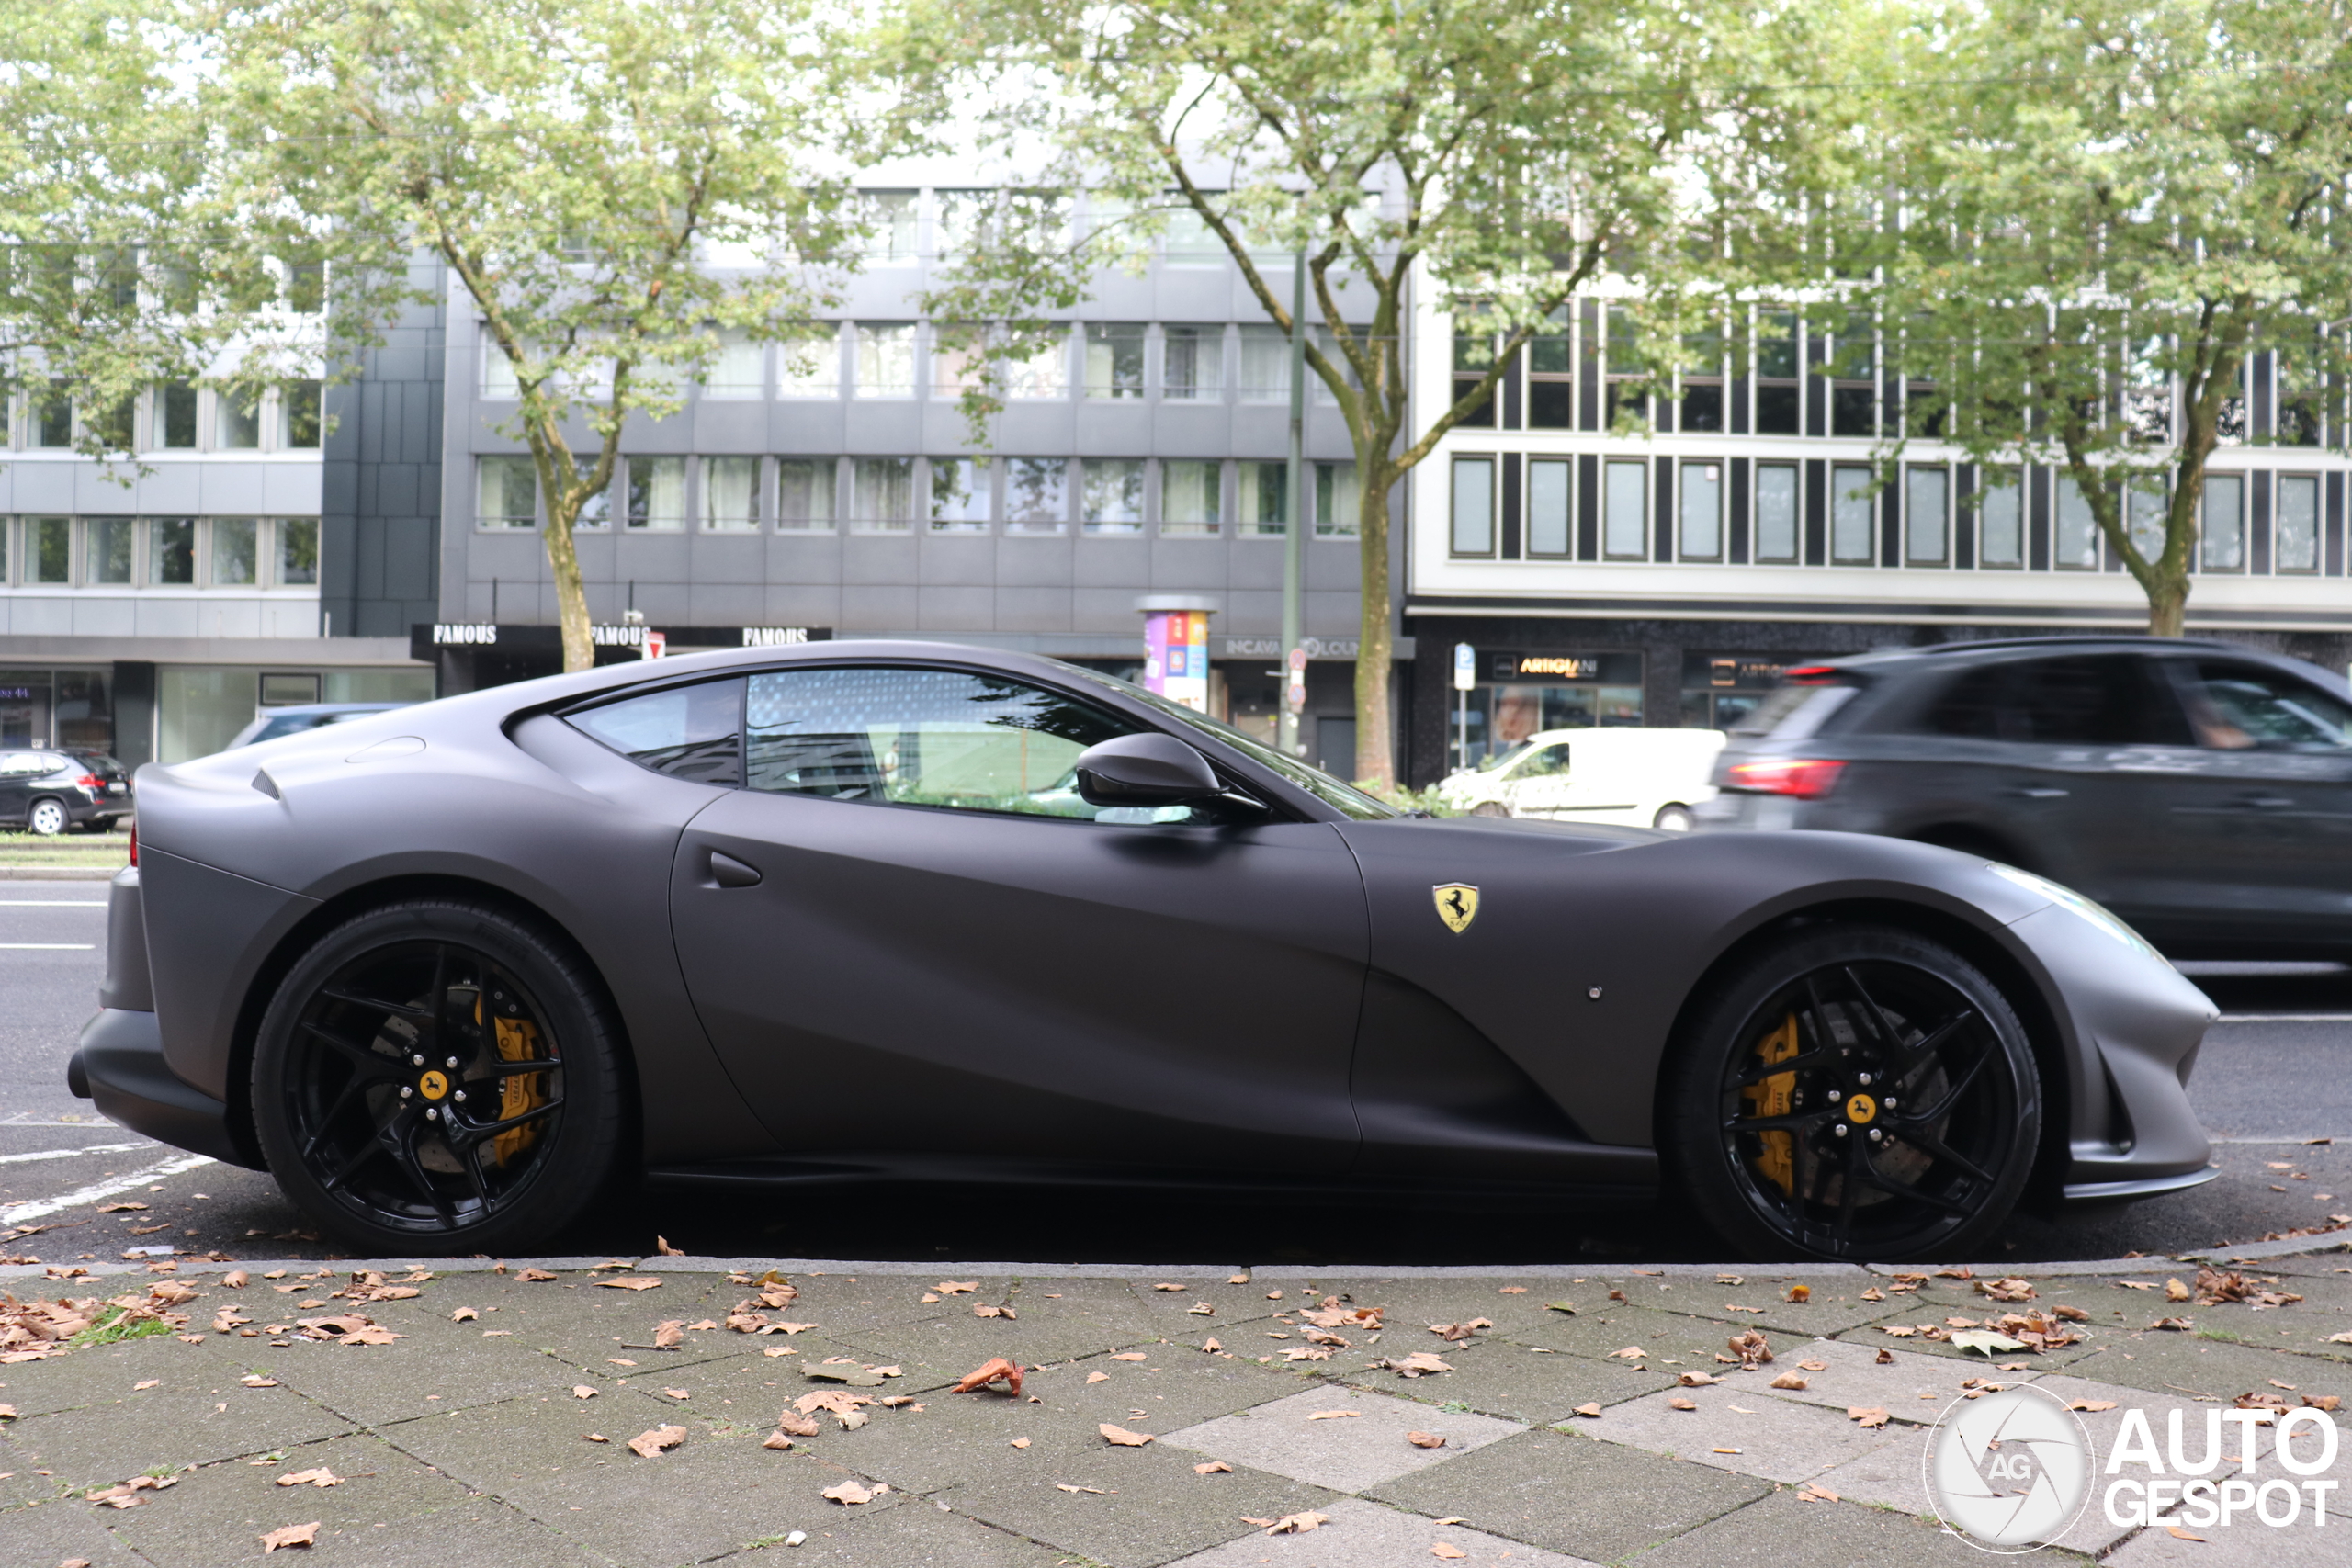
1672	820
48	818
439	1076
1855	1094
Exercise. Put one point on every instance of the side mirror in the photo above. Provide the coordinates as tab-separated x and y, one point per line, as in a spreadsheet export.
1145	770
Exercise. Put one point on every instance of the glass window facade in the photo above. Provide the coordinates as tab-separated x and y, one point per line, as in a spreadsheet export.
509	493
1625	510
1115	360
804	494
882	495
960	494
1776	513
1473	506
1701	536
730	493
2224	524
656	494
2296	537
1549	525
2000	518
1036	494
1111	496
1190	496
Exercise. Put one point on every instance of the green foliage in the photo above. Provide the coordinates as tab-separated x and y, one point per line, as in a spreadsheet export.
117	1325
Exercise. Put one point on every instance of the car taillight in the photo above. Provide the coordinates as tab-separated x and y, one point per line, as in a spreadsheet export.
134	843
91	781
1806	779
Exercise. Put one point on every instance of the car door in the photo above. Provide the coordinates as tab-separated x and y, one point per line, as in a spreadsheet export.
17	770
907	936
2260	829
1540	782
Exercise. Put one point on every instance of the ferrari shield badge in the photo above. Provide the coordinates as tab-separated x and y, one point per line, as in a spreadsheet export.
1457	905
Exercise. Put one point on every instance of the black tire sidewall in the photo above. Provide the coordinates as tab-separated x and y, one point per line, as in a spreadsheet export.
1692	1145
588	1134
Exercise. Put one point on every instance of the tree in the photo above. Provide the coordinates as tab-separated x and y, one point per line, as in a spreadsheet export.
620	187
120	263
2079	227
1496	157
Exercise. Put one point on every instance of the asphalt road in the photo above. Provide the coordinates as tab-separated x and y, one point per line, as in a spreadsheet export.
2272	1079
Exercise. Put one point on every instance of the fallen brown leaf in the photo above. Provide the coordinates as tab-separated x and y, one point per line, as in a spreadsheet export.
1210	1346
994	1370
798	1425
581	1391
670	1334
1335	1415
1418	1364
851	1493
1130	1356
1297	1524
465	1314
1813	1366
1591	1411
120	1208
1800	1293
1814	1492
662	1249
290	1536
2182	1534
676	1393
598	1438
236	1280
775	1440
984	1310
1866	1416
1696	1379
1447	1551
649	1444
1681	1404
2090	1405
1121	1437
632	1282
1425	1440
321	1477
957	1287
1213	1467
1167	1286
536	1276
1793	1380
1098	1377
1017	1442
1887	1357
1097	1491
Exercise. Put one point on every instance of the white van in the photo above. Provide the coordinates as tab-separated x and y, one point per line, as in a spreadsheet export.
1642	778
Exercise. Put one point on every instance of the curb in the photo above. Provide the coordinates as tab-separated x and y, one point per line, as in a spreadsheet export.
57	873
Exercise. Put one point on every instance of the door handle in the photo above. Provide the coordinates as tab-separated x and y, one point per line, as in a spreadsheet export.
728	871
2039	793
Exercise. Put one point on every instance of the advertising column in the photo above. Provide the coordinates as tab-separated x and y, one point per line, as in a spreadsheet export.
1176	648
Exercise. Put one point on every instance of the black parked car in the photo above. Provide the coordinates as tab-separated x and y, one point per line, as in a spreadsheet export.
51	790
2201	791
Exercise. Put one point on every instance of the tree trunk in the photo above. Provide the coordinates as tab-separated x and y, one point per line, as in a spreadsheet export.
570	597
1376	747
2167	602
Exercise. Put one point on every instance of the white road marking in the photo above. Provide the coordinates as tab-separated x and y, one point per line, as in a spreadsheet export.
69	1154
51	904
18	1213
53	946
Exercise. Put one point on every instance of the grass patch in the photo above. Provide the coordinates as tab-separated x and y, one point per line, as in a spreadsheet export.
115	1326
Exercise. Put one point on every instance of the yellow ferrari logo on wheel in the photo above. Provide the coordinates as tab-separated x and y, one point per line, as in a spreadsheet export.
1457	905
432	1086
1860	1108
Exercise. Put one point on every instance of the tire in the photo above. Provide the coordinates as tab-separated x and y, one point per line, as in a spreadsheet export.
365	1124
48	818
1837	1004
1490	808
1673	819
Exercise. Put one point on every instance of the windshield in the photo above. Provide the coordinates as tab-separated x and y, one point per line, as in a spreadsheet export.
1322	785
1504	758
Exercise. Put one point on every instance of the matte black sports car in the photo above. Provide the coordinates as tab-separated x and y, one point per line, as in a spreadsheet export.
853	909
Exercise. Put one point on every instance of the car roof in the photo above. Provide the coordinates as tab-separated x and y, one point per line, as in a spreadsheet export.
2000	647
296	709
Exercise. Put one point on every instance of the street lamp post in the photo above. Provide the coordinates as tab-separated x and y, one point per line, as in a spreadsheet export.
1294	524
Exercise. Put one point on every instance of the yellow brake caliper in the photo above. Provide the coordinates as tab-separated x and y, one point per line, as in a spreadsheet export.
517	1042
1772	1098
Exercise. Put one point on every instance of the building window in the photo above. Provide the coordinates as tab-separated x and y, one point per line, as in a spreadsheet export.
1036	494
1043	375
1853	516
1927	513
2296	541
890	225
1623	369
1473	506
1115	359
1551	376
298	551
656	494
176	415
499	384
2077	529
2000	518
740	368
1779	376
1265	365
171	552
804	494
2146	509
1547	507
1265	500
882	494
596	506
1701	536
1111	496
298	416
1776	513
236	556
107	551
1625	510
52	414
509	493
49	550
955	370
1189	241
1853	391
236	419
1702	382
1339	502
1474	356
1191	363
730	492
960	215
1190	498
959	495
2224	548
810	366
886	360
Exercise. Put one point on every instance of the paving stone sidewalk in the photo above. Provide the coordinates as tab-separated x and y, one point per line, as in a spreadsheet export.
490	1420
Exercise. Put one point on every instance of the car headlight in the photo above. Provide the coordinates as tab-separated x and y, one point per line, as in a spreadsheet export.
2067	898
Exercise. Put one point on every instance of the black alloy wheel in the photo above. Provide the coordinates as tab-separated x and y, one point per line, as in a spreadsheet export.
436	1075
1857	1095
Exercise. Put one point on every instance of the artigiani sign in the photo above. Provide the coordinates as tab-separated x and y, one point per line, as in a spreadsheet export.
2015	1470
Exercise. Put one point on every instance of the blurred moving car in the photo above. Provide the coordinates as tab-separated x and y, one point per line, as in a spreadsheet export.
2201	790
56	789
269	724
1640	778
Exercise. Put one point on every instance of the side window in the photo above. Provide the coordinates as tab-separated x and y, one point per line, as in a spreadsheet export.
2243	707
956	739
1548	762
1971	707
688	732
19	765
2098	700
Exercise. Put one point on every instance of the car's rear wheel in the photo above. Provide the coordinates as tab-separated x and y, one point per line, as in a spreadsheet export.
1490	808
1672	820
439	1076
1855	1094
48	818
